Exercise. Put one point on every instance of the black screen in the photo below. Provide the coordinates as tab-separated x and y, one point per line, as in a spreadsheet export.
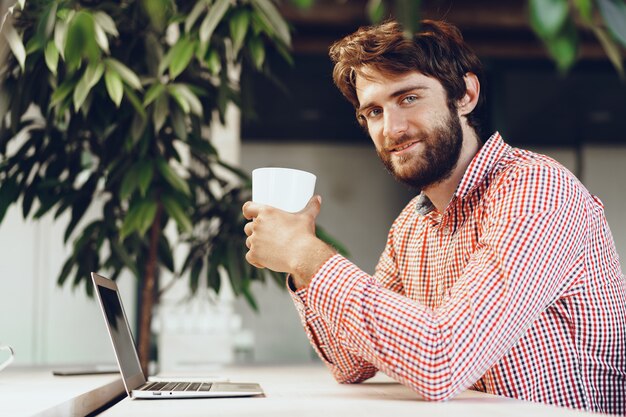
120	333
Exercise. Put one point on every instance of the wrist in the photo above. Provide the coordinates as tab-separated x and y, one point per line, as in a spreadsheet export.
313	255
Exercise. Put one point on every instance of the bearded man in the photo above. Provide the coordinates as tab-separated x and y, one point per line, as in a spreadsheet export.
501	275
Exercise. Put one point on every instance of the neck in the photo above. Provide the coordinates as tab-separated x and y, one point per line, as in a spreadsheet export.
441	194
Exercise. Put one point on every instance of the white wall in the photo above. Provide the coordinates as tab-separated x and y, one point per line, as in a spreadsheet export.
44	323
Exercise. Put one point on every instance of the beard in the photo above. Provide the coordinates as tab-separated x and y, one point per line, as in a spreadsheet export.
437	160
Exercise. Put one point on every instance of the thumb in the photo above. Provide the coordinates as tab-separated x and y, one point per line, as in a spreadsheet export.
313	207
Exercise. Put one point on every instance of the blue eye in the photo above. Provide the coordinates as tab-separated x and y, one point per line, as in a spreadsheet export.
374	112
410	99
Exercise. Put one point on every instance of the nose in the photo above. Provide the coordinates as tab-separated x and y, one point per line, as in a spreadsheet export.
395	124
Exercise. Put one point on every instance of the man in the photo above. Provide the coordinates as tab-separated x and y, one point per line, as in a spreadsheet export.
501	275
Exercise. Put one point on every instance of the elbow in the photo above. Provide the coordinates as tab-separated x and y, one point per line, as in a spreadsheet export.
354	377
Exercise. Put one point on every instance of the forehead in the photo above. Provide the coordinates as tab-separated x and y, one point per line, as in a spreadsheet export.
371	84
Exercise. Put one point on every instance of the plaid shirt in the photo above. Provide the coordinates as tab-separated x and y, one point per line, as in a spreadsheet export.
515	289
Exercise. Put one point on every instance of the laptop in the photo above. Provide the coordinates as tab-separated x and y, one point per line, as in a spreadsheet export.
135	382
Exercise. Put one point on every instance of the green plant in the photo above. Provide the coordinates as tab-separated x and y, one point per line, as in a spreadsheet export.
106	101
556	22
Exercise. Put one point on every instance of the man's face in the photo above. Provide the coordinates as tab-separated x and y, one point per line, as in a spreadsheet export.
417	136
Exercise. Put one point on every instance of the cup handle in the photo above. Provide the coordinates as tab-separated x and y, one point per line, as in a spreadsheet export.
9	359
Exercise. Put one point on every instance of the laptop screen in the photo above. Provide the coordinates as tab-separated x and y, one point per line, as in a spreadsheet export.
120	334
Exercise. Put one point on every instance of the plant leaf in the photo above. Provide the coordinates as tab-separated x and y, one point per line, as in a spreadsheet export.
612	50
93	73
194	14
161	110
303	4
136	103
172	177
179	98
106	22
213	62
182	53
9	192
194	276
193	102
80	40
78	211
585	9
123	255
62	92
129	183
16	45
271	18
80	93
90	78
114	86
564	48
239	22
60	35
52	57
165	253
138	126
65	271
176	212
257	51
614	14
145	172
547	17
139	218
101	37
214	16
375	10
153	92
125	73
178	123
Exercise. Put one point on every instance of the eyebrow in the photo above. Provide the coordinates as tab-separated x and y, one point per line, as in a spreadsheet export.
394	94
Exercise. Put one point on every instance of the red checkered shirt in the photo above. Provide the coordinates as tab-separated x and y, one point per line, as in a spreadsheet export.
515	289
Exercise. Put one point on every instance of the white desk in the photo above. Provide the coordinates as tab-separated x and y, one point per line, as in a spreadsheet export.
36	392
311	391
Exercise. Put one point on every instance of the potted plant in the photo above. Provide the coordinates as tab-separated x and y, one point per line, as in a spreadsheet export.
106	103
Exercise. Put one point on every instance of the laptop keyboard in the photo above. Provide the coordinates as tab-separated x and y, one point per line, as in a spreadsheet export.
177	386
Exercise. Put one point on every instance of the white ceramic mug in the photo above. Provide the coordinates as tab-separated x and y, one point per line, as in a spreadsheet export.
7	361
284	188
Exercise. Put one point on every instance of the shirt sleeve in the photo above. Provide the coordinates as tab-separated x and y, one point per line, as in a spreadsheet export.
527	247
346	364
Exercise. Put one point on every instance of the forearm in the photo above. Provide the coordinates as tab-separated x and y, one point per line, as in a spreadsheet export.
345	366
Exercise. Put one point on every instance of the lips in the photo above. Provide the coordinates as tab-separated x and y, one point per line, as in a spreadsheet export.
403	146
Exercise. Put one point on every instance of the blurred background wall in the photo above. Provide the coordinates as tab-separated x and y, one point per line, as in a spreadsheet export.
301	121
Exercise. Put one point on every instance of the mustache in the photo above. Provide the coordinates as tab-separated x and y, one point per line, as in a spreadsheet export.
392	143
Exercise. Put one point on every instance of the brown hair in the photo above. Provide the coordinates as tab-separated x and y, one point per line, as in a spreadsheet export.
437	50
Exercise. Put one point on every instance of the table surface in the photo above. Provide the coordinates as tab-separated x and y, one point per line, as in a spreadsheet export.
311	391
29	391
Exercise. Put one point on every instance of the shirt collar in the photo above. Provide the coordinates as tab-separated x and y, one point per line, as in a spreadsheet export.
482	164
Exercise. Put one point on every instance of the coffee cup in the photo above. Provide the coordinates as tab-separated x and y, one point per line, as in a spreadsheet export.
284	188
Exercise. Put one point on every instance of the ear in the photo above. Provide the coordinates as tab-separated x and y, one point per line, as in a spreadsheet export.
468	102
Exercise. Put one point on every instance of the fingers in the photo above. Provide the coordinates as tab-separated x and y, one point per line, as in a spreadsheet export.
250	258
251	209
248	228
313	207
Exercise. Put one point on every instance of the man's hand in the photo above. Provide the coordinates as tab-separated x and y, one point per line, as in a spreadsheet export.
285	242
